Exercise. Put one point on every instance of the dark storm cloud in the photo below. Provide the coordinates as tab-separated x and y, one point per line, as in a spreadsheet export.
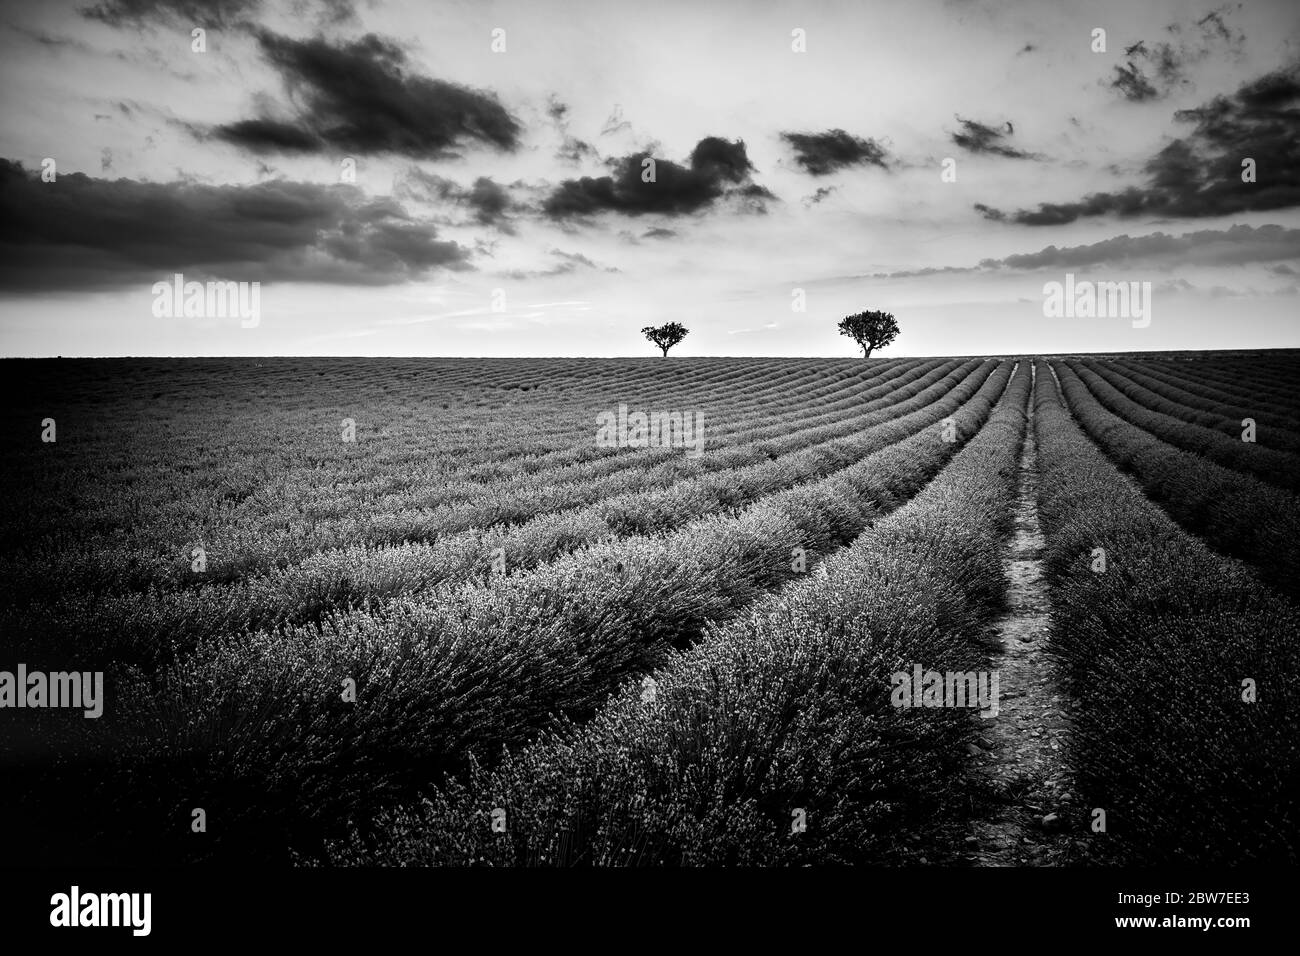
716	169
83	232
1201	174
267	135
489	200
358	97
976	137
822	153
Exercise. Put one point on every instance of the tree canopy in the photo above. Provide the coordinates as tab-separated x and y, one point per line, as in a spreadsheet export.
665	336
871	330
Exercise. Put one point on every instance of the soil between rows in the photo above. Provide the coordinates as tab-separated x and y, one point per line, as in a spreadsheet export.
1033	817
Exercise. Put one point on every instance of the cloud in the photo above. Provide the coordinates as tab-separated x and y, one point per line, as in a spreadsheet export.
922	273
331	11
658	233
717	168
1170	59
821	193
82	233
358	97
1238	245
569	262
488	201
202	13
268	135
615	123
572	150
1174	286
822	153
1201	174
1182	286
224	14
573	259
1235	246
976	137
1131	82
50	40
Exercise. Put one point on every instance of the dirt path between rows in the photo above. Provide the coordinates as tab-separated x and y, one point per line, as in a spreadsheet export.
1020	758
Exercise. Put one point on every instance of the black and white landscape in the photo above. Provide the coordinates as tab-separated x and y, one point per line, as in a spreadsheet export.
650	434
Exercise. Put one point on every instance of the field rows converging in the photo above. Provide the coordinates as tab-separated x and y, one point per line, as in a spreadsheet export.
338	579
774	739
253	720
578	438
480	444
493	444
1179	661
1236	513
239	544
1248	384
1278	468
953	611
1207	406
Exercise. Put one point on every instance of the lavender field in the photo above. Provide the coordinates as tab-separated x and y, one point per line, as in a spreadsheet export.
451	612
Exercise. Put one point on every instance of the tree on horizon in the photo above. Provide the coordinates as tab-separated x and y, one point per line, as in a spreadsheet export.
665	336
871	330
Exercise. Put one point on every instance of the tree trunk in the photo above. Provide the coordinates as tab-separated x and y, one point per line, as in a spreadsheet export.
866	351
665	348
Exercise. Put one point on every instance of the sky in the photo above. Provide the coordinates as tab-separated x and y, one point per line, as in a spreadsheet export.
470	179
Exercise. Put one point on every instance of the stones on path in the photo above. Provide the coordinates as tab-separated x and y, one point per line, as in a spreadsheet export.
1023	768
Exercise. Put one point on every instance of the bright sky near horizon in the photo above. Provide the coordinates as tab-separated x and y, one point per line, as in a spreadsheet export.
498	206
